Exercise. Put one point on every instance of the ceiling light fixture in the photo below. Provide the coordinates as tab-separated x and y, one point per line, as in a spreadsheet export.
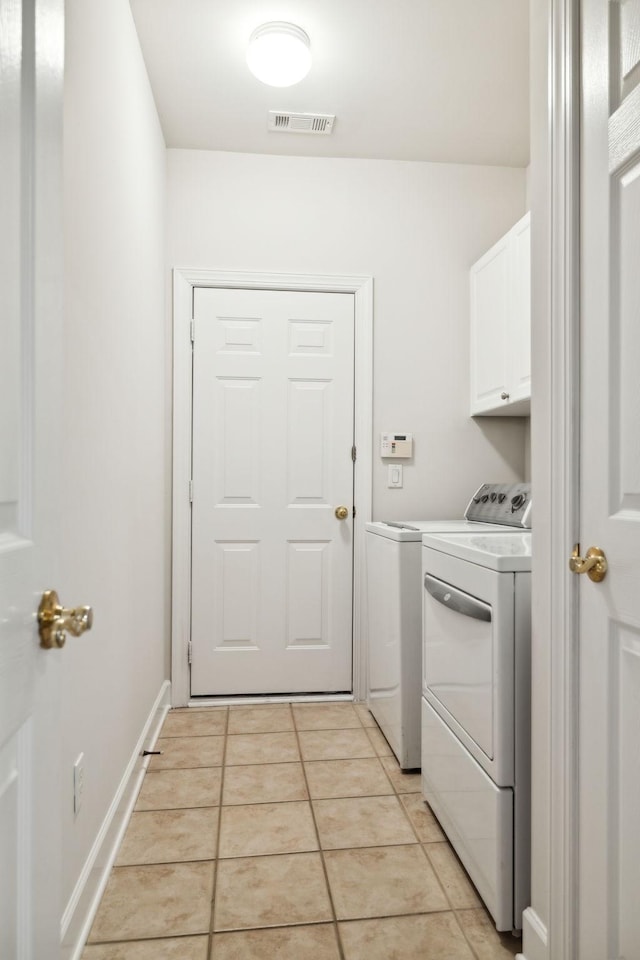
279	54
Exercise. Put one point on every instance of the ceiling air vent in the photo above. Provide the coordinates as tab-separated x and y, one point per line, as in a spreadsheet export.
300	122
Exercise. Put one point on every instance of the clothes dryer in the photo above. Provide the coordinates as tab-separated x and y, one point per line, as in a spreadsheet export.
476	622
394	606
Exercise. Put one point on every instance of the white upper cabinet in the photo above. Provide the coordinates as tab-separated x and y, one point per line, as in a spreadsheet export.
501	326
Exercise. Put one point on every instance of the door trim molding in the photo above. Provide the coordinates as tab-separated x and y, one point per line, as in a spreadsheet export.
564	475
184	282
550	923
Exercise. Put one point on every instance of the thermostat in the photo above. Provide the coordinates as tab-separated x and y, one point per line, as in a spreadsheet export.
396	444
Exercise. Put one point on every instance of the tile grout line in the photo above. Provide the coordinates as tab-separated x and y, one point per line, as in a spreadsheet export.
287	926
422	845
336	927
393	786
397	795
371	739
154	939
292	853
469	943
311	923
210	950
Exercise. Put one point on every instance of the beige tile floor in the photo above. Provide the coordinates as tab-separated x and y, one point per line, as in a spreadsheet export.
286	832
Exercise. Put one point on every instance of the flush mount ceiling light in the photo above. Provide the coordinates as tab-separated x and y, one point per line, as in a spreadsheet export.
279	54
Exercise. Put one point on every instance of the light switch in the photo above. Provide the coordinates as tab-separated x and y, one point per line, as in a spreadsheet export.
394	475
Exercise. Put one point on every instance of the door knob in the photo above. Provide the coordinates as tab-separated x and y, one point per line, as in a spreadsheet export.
594	564
54	621
342	513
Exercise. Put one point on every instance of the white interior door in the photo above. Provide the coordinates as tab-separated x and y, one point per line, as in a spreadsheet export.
273	427
31	59
609	759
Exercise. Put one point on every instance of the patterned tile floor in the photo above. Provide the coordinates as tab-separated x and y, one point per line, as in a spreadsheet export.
286	832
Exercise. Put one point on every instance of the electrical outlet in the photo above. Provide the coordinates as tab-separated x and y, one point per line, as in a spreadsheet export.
78	782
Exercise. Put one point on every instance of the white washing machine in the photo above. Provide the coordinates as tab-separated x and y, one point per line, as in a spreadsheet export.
394	606
476	754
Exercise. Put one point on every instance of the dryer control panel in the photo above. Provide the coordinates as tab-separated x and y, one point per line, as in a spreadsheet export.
508	503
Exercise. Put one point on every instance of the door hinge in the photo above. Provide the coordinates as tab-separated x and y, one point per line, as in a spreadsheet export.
353	512
189	651
353	453
190	491
193	330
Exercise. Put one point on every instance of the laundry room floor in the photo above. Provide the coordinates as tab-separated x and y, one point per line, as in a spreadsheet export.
286	831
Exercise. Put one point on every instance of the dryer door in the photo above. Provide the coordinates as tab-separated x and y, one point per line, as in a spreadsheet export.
460	658
467	619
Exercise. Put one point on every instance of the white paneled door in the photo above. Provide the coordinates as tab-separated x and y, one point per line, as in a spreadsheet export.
609	759
31	60
273	428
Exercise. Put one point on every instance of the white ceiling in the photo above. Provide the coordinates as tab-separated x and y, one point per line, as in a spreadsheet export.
439	80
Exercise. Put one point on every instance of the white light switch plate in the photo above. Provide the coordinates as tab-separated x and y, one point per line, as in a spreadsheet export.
394	475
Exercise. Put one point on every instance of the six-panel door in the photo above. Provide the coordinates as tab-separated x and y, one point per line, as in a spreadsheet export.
31	445
609	696
273	414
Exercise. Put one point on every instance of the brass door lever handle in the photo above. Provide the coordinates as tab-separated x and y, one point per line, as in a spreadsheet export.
594	563
54	620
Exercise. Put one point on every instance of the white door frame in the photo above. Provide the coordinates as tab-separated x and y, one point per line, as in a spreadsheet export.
184	281
550	922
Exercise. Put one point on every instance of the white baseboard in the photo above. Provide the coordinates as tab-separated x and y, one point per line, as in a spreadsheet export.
534	937
84	901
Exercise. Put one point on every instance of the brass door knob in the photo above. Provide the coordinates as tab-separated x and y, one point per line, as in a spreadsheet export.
54	621
594	564
342	513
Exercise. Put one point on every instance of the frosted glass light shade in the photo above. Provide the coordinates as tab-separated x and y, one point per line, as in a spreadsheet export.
279	54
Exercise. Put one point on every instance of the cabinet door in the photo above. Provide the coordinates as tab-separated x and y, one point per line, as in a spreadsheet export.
520	310
489	328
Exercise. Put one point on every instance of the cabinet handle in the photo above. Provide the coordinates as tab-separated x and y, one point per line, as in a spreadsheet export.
504	396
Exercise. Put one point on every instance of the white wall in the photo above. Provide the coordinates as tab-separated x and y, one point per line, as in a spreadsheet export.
416	228
113	466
